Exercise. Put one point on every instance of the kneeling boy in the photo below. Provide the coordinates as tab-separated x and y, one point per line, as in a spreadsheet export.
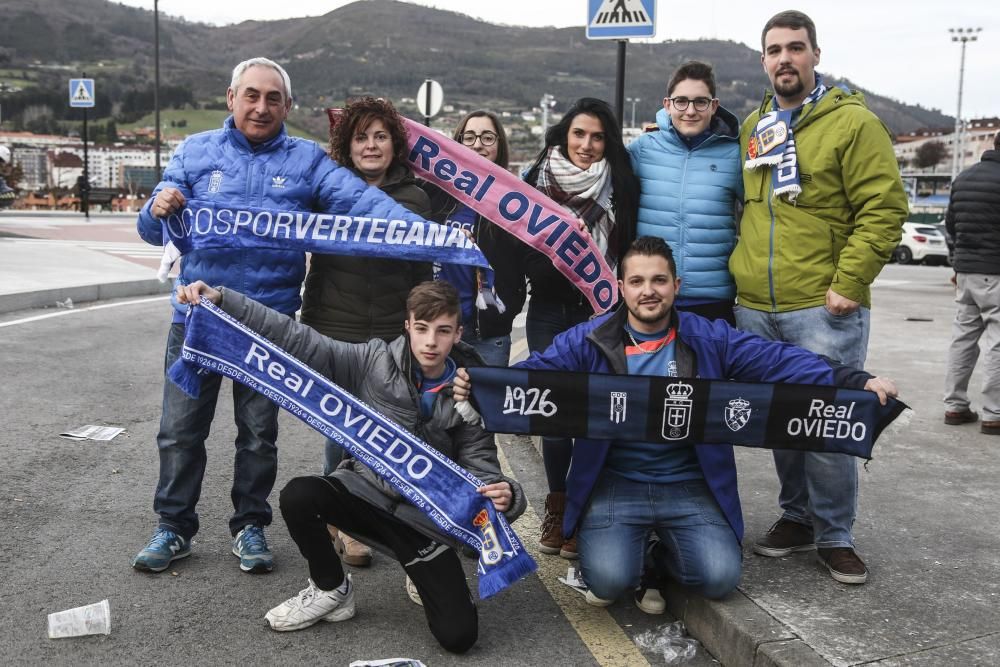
409	381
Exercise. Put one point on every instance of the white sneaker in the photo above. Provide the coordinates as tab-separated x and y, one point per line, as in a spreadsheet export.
596	601
312	605
650	600
411	590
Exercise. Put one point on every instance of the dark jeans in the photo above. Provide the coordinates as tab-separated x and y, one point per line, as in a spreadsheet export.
697	546
309	503
546	320
716	310
184	426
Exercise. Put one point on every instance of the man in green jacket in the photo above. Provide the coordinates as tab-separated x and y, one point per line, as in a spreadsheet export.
824	208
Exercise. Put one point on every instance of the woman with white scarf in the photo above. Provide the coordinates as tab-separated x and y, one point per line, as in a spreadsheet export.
585	168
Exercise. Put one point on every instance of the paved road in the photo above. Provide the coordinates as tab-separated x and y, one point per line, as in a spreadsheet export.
72	514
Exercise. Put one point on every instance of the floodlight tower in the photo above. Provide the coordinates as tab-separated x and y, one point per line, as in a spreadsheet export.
963	35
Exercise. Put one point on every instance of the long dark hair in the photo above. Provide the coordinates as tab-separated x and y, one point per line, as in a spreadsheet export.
625	197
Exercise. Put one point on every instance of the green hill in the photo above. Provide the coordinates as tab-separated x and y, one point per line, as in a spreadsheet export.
380	47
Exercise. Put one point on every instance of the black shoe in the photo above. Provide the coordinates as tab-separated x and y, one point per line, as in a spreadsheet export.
958	418
785	537
990	428
844	565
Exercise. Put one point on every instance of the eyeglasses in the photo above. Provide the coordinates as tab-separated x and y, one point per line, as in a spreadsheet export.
487	138
700	103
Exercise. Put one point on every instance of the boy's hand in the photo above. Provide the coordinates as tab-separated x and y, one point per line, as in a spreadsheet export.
191	293
500	493
884	387
462	386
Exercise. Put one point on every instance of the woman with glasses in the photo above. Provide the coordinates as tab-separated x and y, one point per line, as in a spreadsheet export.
691	182
355	299
583	167
486	330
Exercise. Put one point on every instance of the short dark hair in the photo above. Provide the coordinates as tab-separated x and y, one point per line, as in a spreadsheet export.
503	148
692	70
790	19
649	246
356	117
431	299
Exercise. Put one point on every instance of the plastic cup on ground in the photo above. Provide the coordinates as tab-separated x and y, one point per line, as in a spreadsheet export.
92	619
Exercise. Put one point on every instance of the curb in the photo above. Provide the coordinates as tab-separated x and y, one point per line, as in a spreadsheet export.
736	631
82	294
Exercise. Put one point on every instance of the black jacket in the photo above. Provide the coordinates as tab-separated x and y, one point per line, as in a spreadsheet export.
355	299
504	252
973	218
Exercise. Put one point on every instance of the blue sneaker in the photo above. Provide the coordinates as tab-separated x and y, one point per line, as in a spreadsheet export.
251	547
164	547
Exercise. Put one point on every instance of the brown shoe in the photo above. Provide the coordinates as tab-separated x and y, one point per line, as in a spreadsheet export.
785	537
568	549
352	552
990	428
958	418
552	539
844	565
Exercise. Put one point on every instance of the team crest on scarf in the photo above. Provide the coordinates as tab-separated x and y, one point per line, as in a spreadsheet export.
490	551
738	414
619	406
677	411
772	144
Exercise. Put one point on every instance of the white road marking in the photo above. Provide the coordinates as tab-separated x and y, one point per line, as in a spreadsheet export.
71	311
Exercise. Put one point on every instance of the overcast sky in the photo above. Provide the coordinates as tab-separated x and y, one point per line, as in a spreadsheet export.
902	50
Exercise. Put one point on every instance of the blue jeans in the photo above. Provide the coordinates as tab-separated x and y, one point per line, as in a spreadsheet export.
494	350
817	488
185	425
545	321
698	548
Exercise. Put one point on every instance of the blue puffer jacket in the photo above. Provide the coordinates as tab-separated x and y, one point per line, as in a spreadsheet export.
687	198
710	350
285	173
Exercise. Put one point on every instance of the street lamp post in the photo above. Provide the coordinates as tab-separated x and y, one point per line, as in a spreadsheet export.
547	103
633	100
156	83
963	35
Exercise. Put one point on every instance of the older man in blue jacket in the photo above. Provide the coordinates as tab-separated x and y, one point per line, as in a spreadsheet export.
251	161
619	492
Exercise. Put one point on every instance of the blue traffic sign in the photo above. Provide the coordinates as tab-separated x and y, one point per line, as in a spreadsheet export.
620	19
81	93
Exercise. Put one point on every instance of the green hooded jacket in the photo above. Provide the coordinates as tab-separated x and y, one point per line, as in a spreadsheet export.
843	226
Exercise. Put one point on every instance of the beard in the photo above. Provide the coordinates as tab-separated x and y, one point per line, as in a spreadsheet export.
792	89
651	317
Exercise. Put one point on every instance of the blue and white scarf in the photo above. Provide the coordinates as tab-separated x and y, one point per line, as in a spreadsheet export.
772	144
204	225
439	487
681	411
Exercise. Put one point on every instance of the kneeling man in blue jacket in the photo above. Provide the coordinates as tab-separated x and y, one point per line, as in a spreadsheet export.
619	492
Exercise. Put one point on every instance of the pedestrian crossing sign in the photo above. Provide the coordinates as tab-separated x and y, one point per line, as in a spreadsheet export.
620	19
81	93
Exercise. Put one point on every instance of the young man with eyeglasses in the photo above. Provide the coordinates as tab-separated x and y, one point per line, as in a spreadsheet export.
824	211
691	188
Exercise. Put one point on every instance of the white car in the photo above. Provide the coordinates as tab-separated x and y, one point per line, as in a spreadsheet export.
921	242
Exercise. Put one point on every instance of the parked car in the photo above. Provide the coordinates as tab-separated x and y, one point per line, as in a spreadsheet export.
921	242
947	239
